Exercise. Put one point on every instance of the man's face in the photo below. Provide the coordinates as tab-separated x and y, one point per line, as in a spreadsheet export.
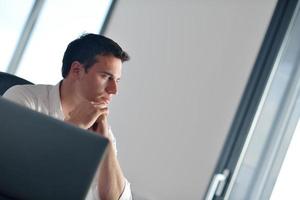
100	82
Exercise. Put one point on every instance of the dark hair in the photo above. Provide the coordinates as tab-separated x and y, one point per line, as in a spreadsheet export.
87	47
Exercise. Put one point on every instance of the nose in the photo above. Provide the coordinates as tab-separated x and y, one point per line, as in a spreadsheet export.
112	87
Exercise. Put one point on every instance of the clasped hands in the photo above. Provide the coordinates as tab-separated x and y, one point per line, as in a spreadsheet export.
91	116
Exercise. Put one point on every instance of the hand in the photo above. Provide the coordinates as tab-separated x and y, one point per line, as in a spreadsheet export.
86	114
102	126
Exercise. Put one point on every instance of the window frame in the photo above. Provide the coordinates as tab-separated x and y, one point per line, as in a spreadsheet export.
252	94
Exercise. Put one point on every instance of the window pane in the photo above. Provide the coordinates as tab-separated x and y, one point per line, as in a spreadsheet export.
286	186
274	124
13	17
60	22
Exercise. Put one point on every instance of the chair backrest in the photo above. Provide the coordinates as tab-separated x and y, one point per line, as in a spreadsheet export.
9	80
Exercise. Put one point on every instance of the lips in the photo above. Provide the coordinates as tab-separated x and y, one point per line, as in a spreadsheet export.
105	100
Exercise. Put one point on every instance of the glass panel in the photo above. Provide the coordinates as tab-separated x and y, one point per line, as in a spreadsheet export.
286	186
13	17
60	22
273	126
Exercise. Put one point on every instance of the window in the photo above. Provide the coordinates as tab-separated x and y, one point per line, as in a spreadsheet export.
267	117
59	23
12	20
273	127
286	186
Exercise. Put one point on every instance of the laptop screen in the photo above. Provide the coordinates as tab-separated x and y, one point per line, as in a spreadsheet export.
44	158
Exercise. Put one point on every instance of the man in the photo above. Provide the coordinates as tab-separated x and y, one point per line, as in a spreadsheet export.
92	66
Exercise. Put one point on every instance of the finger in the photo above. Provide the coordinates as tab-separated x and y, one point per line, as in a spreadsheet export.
102	118
100	111
104	111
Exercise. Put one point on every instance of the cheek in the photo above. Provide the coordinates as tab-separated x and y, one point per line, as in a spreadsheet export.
99	85
94	85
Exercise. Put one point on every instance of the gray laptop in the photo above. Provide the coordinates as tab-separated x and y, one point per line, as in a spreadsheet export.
42	158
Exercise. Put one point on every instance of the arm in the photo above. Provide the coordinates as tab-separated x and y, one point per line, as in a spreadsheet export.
111	181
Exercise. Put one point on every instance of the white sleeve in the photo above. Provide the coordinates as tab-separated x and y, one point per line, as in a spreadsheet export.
126	195
93	191
94	195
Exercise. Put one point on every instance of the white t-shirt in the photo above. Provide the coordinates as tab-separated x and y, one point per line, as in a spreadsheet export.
46	99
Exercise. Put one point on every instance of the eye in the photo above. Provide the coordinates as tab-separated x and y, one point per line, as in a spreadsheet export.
117	81
104	76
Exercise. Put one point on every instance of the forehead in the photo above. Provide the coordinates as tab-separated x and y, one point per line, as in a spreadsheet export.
107	60
107	63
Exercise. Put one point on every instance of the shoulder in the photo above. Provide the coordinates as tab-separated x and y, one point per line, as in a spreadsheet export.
27	95
30	91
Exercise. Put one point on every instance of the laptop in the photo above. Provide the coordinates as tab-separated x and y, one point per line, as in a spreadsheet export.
42	158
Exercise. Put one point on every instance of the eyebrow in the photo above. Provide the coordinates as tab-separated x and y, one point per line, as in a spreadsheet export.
110	74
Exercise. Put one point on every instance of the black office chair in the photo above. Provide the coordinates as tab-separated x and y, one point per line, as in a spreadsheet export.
9	80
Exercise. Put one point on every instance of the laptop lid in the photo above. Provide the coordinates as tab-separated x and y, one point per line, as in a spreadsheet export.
44	158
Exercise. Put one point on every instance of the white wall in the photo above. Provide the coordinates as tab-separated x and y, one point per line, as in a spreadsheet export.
190	63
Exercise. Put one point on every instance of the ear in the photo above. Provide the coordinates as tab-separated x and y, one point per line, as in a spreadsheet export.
76	70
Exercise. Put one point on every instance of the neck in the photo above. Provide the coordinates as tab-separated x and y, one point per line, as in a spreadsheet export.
68	96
